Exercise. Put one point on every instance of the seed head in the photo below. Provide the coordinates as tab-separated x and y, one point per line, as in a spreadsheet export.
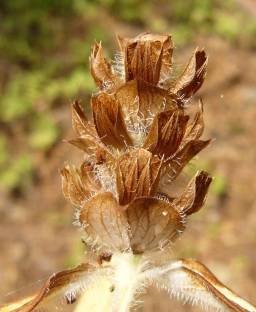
140	138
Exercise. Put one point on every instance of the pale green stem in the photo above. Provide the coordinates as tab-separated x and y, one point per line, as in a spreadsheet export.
97	297
114	293
126	280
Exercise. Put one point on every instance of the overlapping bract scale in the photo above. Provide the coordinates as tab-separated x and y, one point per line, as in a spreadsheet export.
108	120
138	172
146	57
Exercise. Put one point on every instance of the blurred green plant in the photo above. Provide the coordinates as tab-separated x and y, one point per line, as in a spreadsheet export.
17	173
75	254
220	185
20	96
220	18
44	132
3	150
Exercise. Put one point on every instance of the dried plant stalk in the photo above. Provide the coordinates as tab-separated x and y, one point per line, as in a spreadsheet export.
140	138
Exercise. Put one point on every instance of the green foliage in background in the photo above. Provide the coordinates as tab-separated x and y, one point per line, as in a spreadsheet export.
17	173
45	44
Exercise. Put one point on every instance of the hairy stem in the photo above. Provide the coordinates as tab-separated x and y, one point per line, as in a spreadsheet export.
126	280
114	292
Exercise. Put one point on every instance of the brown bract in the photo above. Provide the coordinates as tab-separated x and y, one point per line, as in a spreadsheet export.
147	57
88	139
192	77
137	175
154	224
109	122
101	69
193	197
81	125
105	224
166	132
78	184
140	102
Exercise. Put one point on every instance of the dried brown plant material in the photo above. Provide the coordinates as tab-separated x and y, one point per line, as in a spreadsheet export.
72	186
79	184
105	224
81	125
192	77
146	57
195	129
59	283
137	175
140	103
175	164
166	133
140	138
101	69
155	224
109	122
193	197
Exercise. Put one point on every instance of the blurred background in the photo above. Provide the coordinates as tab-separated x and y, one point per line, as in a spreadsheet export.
44	50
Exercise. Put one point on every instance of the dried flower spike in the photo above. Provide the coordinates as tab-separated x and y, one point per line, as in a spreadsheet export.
140	138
